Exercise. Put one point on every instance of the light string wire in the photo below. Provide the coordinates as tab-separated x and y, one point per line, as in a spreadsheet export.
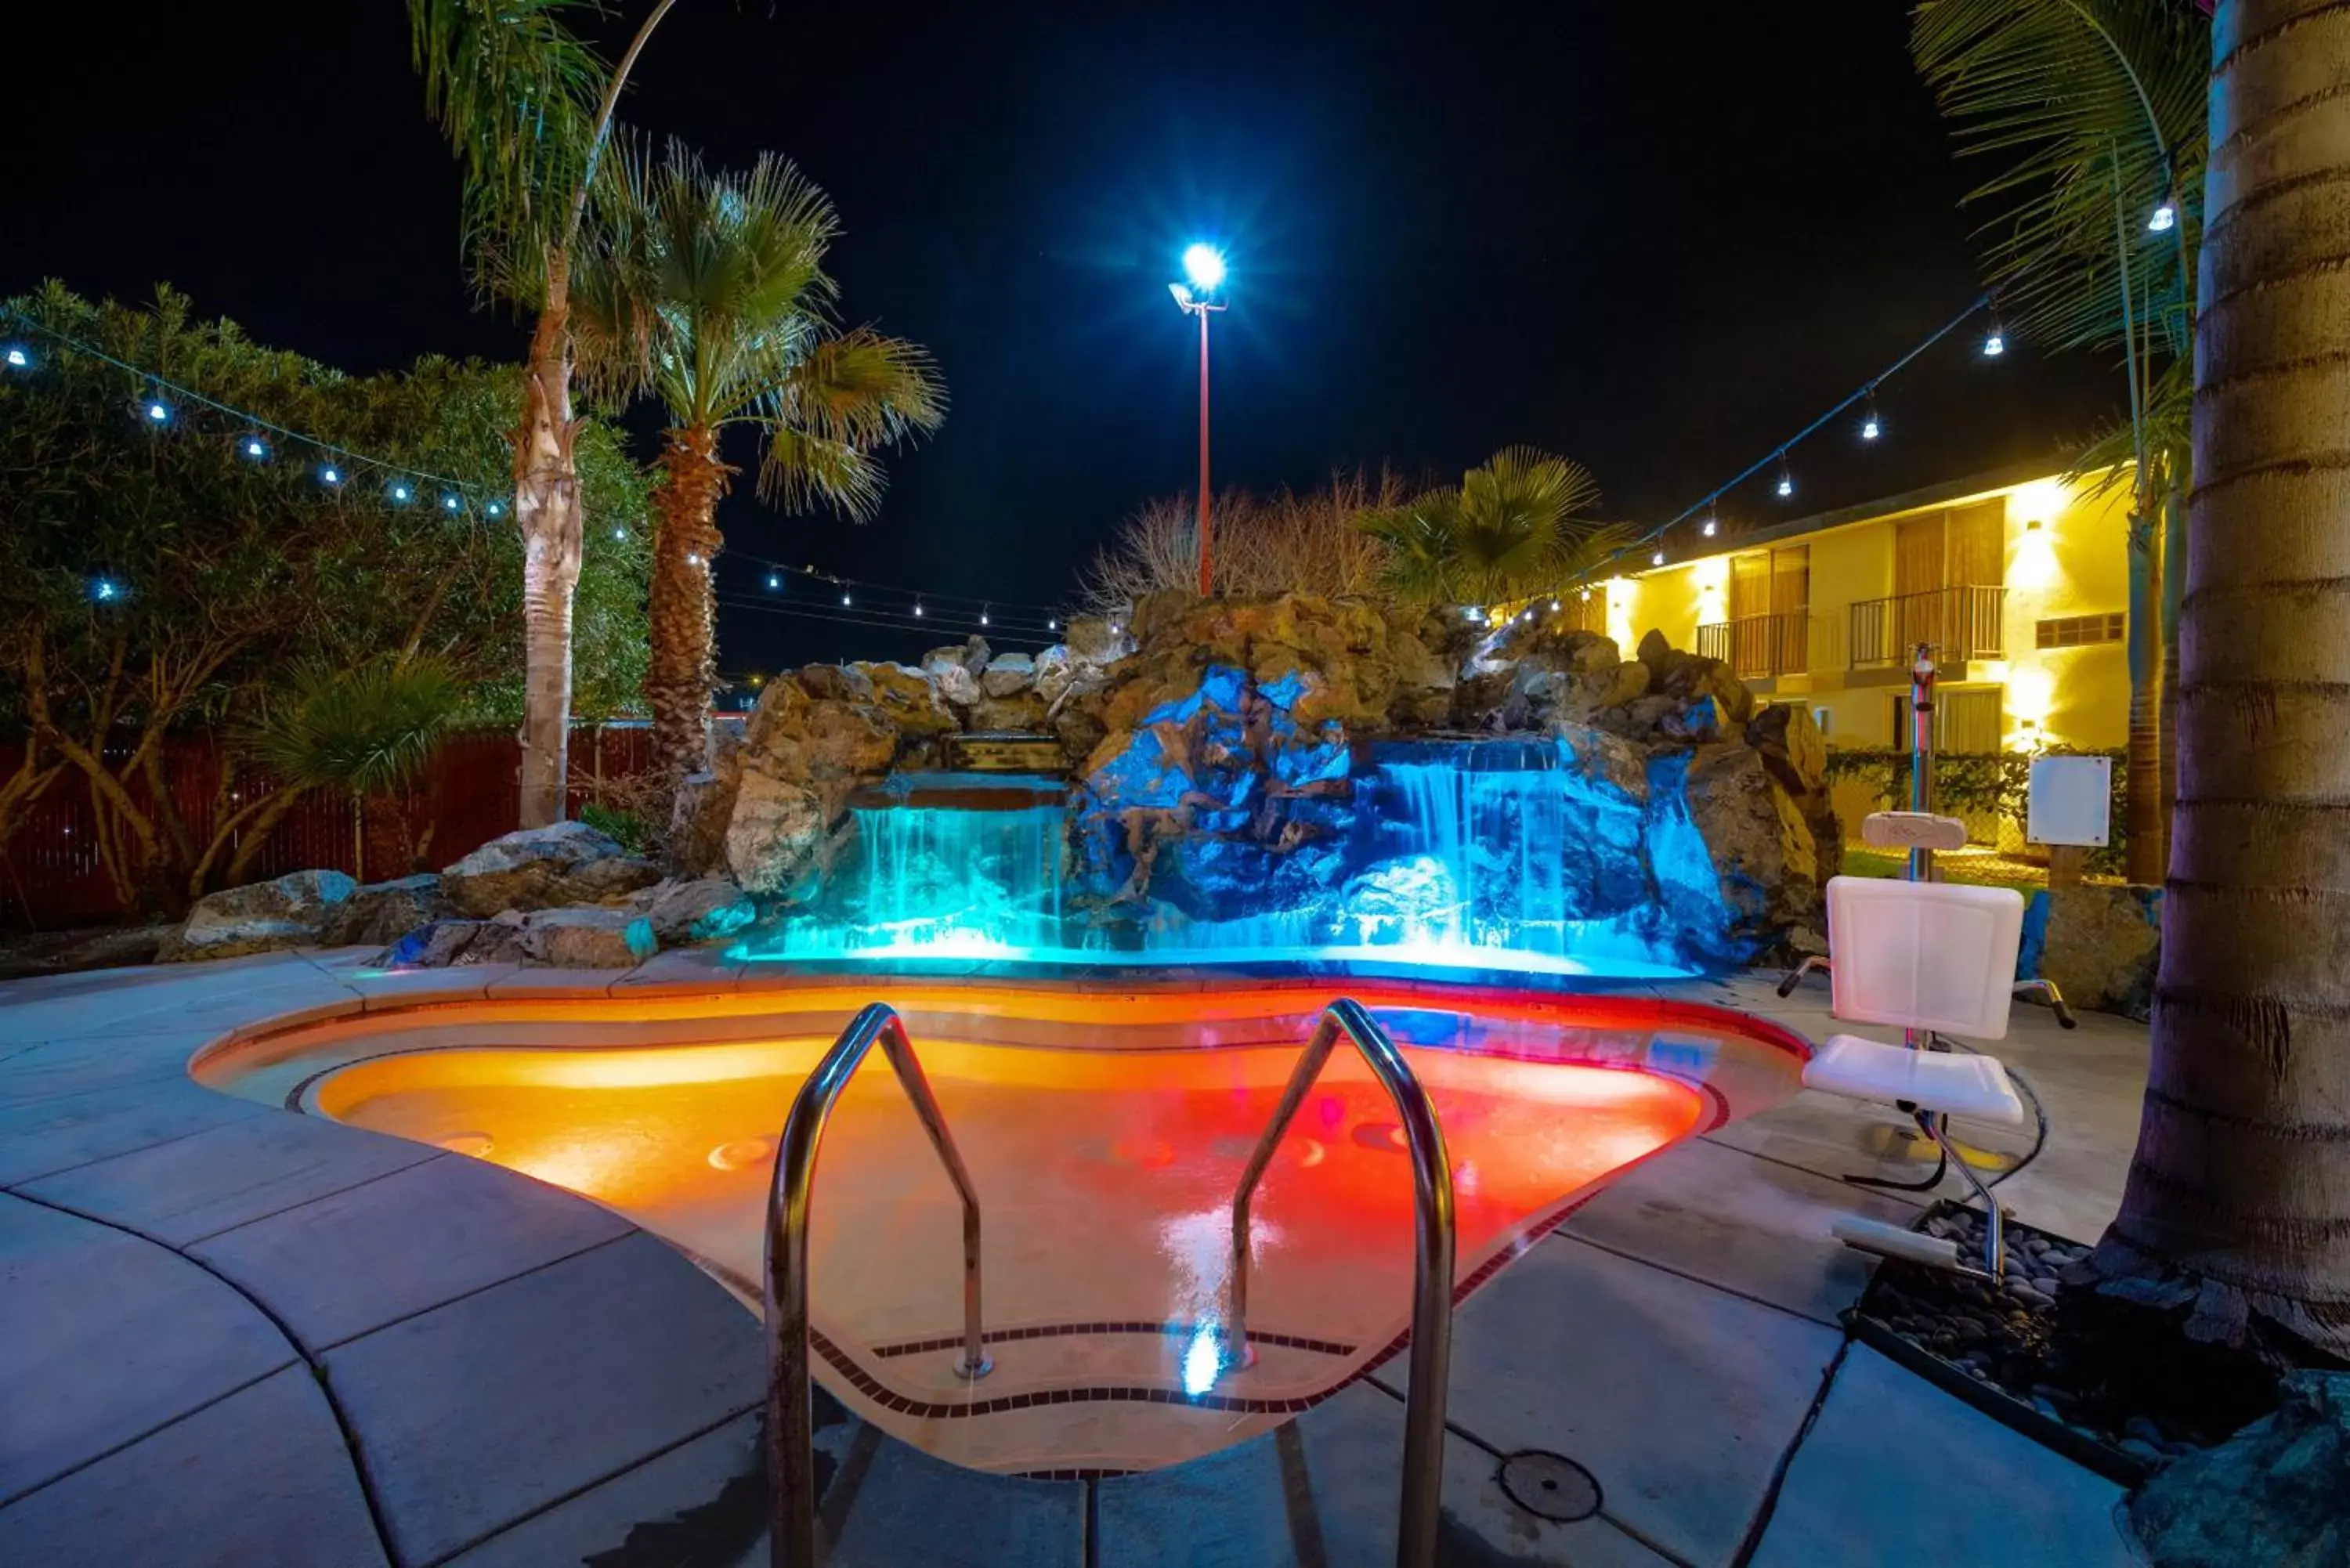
1866	392
492	499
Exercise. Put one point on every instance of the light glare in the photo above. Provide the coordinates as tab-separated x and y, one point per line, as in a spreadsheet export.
1204	266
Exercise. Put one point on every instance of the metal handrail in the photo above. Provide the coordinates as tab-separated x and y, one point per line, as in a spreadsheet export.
791	1464
1431	1291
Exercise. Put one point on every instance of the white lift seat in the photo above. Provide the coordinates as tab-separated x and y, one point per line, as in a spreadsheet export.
1936	956
1959	1084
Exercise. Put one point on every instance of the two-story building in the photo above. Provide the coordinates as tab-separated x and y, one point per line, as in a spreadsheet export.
2018	577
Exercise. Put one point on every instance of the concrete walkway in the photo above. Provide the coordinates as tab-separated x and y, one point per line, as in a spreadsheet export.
231	1335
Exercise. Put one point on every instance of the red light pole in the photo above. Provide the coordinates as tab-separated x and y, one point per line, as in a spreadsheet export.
1206	270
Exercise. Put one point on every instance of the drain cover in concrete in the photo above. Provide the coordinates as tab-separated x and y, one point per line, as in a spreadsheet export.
1550	1485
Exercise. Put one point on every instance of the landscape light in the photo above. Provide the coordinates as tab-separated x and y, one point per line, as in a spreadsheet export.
2165	216
255	448
1204	266
17	358
157	413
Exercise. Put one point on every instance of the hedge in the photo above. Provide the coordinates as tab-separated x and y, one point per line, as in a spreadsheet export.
1980	783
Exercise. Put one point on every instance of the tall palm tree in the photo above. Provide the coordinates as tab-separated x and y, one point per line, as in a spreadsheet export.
2095	110
527	107
2237	1210
1514	525
707	288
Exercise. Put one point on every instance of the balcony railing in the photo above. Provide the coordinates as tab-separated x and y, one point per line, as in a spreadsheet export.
1961	623
1760	644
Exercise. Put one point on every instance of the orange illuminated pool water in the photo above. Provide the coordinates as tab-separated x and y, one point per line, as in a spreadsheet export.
1104	1126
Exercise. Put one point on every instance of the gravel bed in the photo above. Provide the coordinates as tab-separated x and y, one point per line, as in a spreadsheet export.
2004	1335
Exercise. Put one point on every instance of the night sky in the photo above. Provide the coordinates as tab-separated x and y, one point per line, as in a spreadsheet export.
1656	244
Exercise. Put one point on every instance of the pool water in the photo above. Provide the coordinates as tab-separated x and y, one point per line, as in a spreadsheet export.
1105	1130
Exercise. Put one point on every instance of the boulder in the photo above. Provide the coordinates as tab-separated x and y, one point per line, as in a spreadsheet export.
543	867
836	682
291	911
1051	673
1765	856
1008	675
1021	713
955	685
1099	639
699	815
1423	694
802	759
2273	1493
447	942
910	697
382	912
2101	946
586	938
704	910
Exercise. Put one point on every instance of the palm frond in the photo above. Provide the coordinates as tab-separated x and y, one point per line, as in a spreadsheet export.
516	93
2095	112
799	471
362	730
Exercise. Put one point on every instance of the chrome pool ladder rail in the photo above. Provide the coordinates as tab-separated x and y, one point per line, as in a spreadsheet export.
791	1438
1431	1291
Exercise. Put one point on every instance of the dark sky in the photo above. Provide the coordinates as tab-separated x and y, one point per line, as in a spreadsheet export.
1656	244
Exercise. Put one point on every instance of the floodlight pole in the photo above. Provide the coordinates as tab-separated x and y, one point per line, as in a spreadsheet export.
1198	304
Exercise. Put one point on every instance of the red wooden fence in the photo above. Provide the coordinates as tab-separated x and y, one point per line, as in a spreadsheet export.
51	874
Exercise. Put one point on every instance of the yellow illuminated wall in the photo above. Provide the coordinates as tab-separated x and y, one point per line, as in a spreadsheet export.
2073	564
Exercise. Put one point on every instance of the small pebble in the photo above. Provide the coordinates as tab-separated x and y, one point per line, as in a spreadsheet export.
2031	1294
2045	1284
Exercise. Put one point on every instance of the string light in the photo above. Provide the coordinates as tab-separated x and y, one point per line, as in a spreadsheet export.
693	558
159	413
497	508
1786	485
619	533
17	358
2165	216
1994	343
1870	426
1658	559
844	596
1052	623
1554	607
105	590
449	504
255	448
330	475
918	609
983	614
400	494
773	582
1711	527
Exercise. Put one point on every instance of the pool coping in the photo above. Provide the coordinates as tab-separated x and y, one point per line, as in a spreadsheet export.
234	1002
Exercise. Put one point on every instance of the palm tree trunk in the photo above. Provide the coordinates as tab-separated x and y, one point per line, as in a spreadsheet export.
2174	579
547	509
2145	791
682	666
2237	1211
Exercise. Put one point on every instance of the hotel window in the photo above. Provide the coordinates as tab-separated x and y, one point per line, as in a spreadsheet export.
2080	631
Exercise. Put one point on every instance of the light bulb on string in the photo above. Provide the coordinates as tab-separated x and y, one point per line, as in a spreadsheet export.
496	508
1554	607
1712	525
450	503
982	613
918	609
1656	560
105	591
773	581
158	412
844	594
255	448
1587	596
1994	342
1871	427
1052	623
2164	218
330	475
693	557
619	533
1786	485
400	492
17	358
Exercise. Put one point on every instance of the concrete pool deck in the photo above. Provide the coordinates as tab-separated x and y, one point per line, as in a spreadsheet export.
233	1335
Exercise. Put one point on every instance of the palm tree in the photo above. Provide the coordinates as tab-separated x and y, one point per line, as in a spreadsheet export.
2094	109
1514	526
709	289
527	107
2237	1211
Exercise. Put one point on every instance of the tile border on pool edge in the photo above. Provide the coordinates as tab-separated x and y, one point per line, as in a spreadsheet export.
1172	1330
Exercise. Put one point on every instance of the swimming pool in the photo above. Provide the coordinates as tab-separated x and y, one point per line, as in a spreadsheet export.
1104	1125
